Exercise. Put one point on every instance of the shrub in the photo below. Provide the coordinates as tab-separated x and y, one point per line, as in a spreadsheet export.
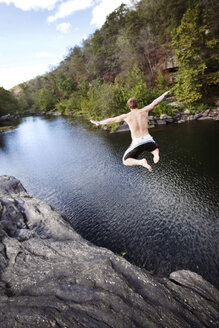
71	105
162	81
164	108
196	107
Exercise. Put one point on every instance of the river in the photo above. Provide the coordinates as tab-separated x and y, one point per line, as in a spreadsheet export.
164	221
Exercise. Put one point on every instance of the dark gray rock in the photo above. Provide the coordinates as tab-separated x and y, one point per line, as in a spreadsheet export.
175	104
122	128
169	120
29	113
197	116
5	118
53	113
106	128
161	122
52	277
205	118
164	116
10	185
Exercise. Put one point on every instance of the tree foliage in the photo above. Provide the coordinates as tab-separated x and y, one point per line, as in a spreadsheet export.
8	103
123	59
195	50
46	99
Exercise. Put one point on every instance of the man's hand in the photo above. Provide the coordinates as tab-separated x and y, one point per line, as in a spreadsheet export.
166	93
155	102
95	122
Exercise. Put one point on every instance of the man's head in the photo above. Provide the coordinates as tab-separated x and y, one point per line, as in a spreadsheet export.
132	103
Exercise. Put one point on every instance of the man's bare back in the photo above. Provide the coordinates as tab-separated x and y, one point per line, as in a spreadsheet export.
137	120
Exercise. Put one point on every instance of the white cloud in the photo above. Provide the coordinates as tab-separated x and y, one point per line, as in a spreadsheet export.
105	7
64	8
43	54
101	8
69	7
11	76
32	4
63	27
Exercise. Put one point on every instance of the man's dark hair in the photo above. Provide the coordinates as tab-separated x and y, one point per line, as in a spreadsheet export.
132	103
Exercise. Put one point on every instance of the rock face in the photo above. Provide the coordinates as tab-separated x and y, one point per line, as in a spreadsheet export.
52	277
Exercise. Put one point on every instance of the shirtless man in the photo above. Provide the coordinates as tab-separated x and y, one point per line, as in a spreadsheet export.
137	120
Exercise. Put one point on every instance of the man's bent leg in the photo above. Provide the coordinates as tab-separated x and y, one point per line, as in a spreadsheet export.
155	153
134	162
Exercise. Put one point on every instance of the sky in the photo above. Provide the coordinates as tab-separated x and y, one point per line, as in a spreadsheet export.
36	35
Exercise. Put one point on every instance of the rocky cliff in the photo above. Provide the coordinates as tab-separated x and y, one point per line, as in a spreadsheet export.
52	277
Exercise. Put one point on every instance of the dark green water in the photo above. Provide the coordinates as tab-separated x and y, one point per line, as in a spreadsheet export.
165	220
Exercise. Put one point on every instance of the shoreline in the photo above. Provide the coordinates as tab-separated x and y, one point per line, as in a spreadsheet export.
180	117
163	119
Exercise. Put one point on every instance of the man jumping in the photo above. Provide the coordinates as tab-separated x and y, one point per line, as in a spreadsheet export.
137	120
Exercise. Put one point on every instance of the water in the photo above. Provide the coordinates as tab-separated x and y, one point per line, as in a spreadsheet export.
164	221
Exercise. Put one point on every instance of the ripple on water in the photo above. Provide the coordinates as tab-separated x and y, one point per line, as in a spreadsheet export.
166	220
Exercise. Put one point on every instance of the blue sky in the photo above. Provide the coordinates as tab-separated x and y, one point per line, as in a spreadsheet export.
36	35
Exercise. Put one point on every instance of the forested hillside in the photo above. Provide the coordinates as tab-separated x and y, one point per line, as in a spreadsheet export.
8	103
139	51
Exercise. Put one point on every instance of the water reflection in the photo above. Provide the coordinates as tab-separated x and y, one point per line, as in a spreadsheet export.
166	220
2	141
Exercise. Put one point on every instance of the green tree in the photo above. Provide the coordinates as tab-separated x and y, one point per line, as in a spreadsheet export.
127	56
195	49
46	99
68	86
162	81
8	103
105	100
25	98
133	39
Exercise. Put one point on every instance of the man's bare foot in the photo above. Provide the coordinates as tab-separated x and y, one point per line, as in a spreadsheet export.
156	158
145	164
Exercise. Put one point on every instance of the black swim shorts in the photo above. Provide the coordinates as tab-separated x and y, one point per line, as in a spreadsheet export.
148	146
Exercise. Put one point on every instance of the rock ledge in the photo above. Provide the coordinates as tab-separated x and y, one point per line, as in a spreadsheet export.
52	277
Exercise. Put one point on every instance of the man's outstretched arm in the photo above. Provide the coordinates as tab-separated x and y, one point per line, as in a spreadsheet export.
111	120
155	102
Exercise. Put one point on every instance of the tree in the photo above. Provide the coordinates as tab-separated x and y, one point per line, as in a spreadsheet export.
140	37
195	50
46	99
68	86
8	103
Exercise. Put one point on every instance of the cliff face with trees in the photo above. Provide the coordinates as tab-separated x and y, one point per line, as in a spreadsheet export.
133	54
